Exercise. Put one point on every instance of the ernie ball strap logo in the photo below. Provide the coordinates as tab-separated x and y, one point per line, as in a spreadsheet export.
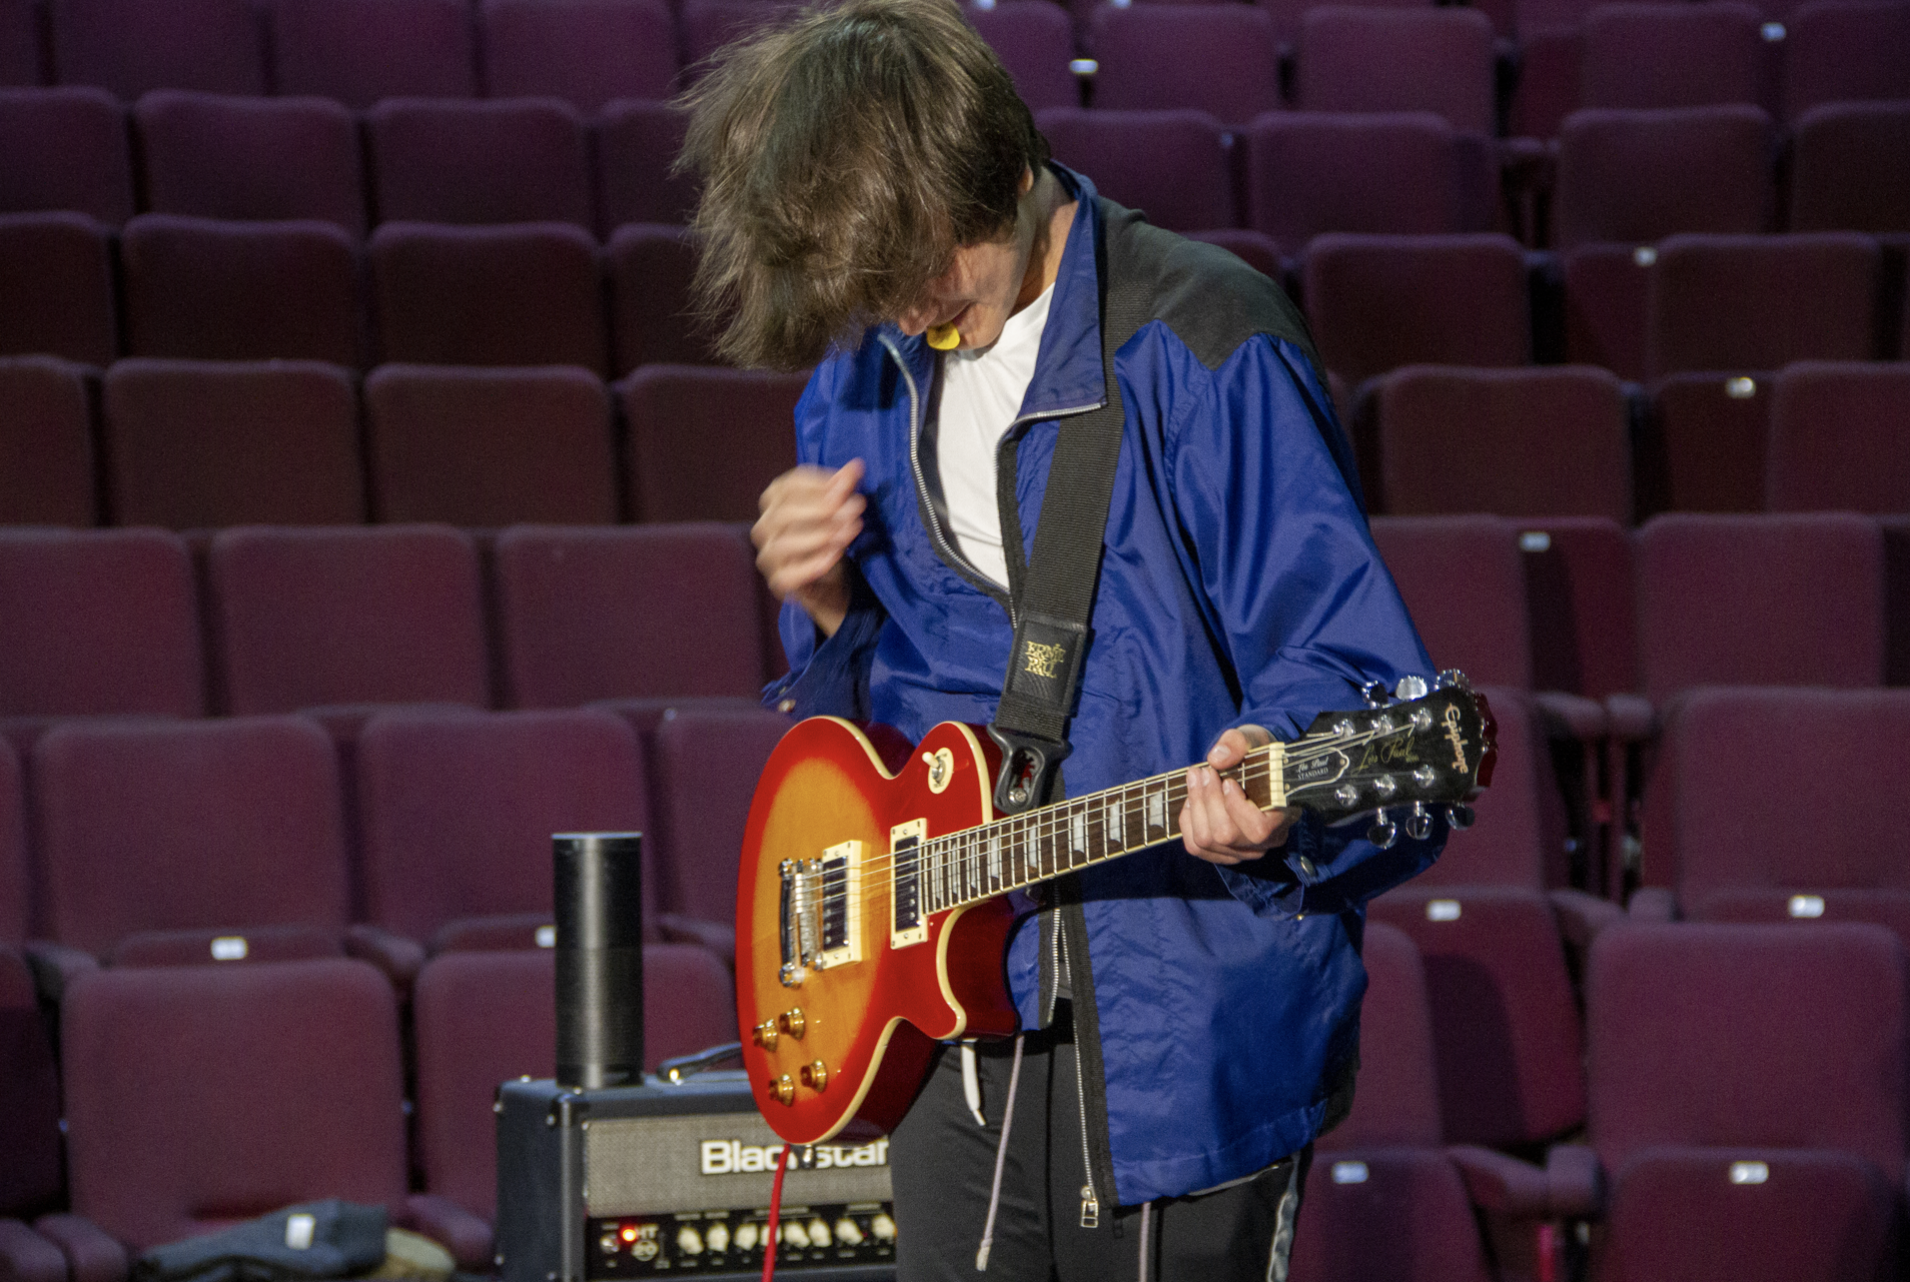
733	1157
1040	660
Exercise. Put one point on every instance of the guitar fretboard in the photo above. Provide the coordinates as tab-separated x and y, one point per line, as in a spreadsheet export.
977	863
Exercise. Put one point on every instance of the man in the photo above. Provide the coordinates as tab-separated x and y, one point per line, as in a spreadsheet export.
876	198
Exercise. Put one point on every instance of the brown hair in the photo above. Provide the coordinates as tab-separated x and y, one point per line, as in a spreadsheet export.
844	159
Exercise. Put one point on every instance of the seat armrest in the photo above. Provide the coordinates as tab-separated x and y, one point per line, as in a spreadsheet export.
1630	717
1496	1182
25	1256
400	958
1652	903
56	966
1577	1182
91	1253
715	936
465	1235
1571	716
1581	915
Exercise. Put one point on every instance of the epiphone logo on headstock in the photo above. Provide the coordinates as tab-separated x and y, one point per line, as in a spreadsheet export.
1457	740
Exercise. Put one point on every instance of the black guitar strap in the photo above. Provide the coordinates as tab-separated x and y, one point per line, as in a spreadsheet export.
1053	597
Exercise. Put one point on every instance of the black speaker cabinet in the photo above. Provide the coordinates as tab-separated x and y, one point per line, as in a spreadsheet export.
664	1180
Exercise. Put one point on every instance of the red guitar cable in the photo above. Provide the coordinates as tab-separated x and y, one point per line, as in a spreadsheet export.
775	1217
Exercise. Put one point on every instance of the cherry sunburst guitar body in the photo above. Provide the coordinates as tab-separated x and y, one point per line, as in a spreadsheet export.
870	1019
871	908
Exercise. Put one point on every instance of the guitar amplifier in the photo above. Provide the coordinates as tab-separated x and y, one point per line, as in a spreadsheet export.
663	1180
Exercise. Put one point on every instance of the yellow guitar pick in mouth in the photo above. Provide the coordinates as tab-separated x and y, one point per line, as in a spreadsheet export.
944	338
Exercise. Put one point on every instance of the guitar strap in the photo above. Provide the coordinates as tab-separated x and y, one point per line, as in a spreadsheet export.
1053	596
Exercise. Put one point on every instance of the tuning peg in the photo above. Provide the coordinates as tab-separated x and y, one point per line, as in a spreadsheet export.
1384	831
1419	822
1374	692
1411	687
1453	679
1460	817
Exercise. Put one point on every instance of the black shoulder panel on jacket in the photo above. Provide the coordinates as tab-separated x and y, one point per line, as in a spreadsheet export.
1211	299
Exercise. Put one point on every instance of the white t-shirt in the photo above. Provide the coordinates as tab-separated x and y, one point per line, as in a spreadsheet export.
982	392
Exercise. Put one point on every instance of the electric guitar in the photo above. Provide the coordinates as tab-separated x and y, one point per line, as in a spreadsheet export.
871	909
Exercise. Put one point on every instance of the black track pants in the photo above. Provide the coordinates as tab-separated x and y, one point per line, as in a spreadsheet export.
943	1162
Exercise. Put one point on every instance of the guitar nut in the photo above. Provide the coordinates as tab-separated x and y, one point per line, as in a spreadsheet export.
815	1076
783	1088
792	1022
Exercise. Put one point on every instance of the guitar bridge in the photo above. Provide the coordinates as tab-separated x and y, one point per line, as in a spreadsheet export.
820	911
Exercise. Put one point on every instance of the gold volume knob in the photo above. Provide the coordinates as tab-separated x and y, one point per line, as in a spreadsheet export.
815	1076
791	1022
766	1034
784	1087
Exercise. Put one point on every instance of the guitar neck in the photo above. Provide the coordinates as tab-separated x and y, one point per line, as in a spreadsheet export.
1038	845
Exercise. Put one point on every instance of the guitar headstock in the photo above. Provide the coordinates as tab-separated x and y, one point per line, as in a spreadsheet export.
1410	755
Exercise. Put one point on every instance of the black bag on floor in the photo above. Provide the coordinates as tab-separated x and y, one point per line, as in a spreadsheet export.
330	1239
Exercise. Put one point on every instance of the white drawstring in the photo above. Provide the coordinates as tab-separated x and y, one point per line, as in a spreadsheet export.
1146	1210
972	1082
1001	1148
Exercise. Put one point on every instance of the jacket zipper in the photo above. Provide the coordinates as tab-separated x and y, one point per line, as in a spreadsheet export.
943	544
1090	1204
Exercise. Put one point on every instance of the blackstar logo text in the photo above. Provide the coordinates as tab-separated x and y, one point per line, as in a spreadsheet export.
733	1157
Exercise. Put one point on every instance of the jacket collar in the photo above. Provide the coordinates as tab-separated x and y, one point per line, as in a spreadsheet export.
1068	367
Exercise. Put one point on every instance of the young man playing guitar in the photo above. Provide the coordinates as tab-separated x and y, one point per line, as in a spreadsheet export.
877	199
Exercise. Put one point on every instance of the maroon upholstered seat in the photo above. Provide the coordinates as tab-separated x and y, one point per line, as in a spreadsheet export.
586	52
130	46
258	159
206	827
1845	51
488	447
637	142
1462	579
358	51
517	160
484	1018
1761	302
31	1181
1850	167
1550	441
704	442
637	587
314	617
196	444
652	316
1378	302
1634	177
1607	304
1838	438
1398	59
1172	165
64	149
1406	173
522	294
20	43
209	289
1704	450
1223	59
47	442
1036	43
58	281
1651	55
1817	581
457	812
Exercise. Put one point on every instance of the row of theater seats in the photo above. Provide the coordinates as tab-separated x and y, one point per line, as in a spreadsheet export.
1235	60
188	1098
176	841
533	294
1620	175
192	445
1223	58
436	160
197	444
1499	1057
1572	440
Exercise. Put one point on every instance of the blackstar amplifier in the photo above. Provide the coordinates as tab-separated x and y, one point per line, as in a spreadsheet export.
673	1180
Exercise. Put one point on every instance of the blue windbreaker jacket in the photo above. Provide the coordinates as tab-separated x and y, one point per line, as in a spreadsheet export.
1239	585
